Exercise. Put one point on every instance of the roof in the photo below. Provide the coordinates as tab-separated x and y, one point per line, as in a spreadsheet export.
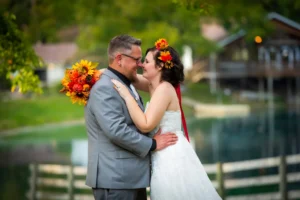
278	17
271	16
232	38
55	53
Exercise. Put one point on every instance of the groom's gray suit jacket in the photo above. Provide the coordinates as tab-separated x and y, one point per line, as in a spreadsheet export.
117	152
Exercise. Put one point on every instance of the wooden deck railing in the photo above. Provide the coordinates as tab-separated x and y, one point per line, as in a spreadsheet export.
71	179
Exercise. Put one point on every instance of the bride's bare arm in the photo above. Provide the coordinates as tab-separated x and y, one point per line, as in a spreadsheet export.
141	83
160	100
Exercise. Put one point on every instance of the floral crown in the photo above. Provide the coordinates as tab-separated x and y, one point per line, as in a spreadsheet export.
165	56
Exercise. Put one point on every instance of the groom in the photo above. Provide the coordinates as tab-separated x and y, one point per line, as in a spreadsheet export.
118	154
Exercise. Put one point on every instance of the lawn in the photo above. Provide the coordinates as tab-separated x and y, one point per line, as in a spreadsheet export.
37	111
53	107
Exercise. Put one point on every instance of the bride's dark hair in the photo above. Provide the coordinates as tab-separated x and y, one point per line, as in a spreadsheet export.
175	74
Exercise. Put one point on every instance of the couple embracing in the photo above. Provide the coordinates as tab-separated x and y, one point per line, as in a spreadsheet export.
131	147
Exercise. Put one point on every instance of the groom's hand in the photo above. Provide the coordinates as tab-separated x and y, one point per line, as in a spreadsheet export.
164	140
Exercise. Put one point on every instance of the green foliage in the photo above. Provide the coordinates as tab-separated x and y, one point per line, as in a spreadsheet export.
100	20
17	56
202	6
41	19
148	20
248	15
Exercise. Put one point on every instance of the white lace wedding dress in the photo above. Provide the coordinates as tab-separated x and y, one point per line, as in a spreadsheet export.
177	173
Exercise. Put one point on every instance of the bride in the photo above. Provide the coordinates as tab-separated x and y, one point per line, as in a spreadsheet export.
177	173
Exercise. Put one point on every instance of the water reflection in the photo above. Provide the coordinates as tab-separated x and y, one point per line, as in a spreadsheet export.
262	134
266	133
79	152
24	153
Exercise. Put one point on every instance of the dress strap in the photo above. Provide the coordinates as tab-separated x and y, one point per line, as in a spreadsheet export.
178	92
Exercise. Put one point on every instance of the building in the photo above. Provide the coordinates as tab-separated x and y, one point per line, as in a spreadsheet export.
55	57
268	64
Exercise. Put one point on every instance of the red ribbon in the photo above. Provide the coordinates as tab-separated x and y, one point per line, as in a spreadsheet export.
178	92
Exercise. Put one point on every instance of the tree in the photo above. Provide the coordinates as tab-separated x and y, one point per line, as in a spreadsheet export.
244	14
17	58
100	20
148	20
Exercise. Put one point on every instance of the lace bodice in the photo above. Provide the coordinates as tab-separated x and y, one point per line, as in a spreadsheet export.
171	122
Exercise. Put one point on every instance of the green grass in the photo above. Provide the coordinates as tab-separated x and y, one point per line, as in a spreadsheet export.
37	111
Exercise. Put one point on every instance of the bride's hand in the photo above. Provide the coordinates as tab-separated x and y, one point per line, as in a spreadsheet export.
122	89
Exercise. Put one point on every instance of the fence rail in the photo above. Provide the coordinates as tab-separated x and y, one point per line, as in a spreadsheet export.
71	179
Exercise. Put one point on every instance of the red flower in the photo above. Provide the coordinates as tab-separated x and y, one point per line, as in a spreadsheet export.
77	88
71	84
93	81
165	56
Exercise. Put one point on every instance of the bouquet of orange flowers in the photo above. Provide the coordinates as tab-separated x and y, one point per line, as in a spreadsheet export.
79	80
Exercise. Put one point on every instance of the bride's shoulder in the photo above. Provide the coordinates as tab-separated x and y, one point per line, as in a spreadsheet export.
165	89
165	86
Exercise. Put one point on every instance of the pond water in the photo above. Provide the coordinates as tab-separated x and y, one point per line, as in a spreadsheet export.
261	134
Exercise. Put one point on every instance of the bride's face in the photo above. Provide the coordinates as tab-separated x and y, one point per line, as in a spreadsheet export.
150	70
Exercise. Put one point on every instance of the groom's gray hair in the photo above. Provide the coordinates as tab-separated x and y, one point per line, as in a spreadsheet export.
122	44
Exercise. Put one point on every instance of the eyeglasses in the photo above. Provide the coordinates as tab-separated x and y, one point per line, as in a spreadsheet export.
137	60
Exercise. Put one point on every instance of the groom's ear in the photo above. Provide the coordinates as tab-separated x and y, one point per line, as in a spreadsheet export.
118	58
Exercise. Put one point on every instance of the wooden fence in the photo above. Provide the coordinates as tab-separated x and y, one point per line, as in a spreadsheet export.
71	179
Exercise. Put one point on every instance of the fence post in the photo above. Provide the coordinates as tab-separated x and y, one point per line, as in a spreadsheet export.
71	182
33	168
283	181
220	179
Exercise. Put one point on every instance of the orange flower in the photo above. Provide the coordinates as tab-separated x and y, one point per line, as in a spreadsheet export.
74	74
165	56
64	82
82	79
69	73
161	44
97	75
86	87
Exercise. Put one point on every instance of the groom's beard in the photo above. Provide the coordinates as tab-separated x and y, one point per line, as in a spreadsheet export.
134	79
